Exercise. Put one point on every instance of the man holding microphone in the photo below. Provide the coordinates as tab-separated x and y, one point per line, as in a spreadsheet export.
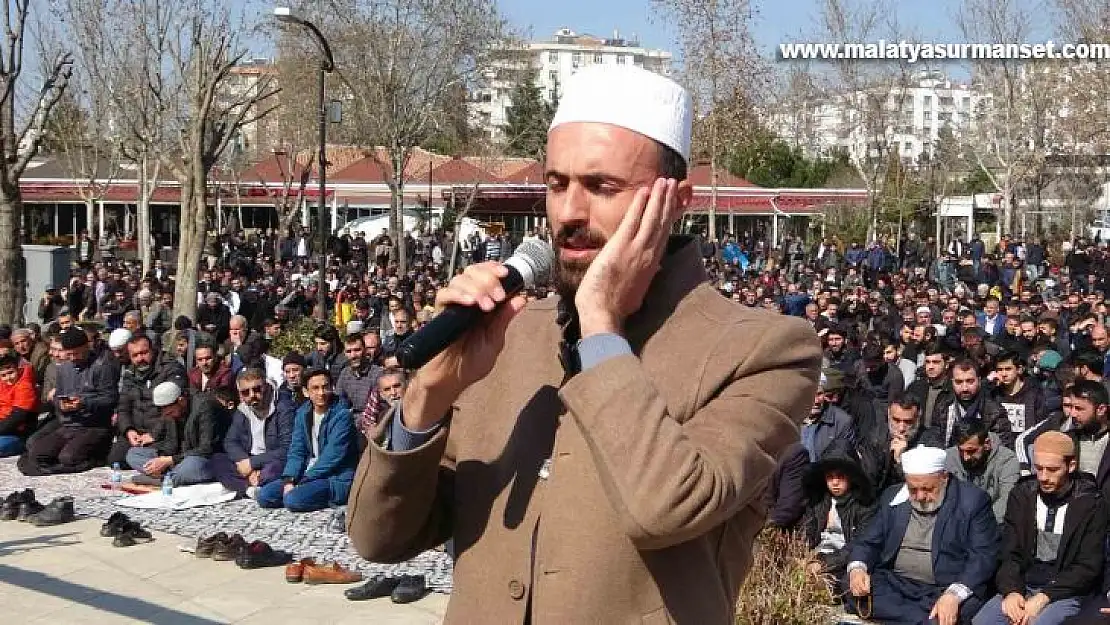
597	457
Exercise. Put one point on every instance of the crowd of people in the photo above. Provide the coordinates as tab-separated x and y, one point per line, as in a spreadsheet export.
953	466
954	456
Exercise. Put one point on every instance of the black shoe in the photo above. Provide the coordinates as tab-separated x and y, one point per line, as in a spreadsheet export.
115	525
28	510
55	513
410	588
259	555
9	510
132	534
378	586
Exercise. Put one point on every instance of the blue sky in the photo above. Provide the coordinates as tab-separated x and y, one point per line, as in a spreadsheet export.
776	20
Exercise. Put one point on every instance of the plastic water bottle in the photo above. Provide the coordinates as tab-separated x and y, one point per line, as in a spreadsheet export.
117	478
167	485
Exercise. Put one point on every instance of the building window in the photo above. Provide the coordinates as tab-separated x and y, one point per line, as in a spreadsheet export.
967	103
927	101
552	57
621	59
907	147
598	58
927	115
946	102
553	76
576	59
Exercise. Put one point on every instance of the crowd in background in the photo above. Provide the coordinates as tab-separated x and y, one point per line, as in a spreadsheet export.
975	349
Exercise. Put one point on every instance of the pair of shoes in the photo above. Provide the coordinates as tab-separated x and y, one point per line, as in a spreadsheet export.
230	549
259	555
19	505
207	546
252	492
310	572
131	534
403	589
294	571
56	512
114	525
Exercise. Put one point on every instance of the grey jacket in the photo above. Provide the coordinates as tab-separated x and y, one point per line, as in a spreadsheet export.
998	477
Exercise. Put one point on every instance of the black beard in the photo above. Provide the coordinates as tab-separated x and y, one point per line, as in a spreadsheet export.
568	276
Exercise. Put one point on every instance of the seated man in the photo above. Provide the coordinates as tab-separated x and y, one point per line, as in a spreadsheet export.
85	395
18	404
930	550
980	458
147	369
881	450
323	455
840	502
1052	543
257	442
185	437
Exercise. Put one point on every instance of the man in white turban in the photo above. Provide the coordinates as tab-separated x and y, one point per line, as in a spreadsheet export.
930	550
575	470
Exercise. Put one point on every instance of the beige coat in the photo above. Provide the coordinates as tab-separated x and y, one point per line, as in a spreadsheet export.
652	499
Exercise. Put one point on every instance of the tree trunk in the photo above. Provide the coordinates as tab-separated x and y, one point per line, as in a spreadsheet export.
194	229
397	214
1007	210
90	219
13	280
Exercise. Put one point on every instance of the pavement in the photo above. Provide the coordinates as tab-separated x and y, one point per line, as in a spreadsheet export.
70	574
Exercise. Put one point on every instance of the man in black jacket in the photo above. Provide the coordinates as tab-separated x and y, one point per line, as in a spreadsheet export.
881	452
188	433
86	394
1052	553
785	498
136	412
969	400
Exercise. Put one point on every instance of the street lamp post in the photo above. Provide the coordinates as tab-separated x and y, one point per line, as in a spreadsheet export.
327	64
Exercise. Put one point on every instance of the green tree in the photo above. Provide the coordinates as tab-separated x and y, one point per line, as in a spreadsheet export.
528	119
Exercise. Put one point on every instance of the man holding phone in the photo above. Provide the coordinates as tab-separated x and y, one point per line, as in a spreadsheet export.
86	394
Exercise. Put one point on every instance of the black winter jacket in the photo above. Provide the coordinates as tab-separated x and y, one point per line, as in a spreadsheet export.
1078	568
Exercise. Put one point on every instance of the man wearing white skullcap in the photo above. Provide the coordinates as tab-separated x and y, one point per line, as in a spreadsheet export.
929	552
604	471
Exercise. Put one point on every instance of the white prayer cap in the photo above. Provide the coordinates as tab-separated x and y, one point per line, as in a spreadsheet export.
165	394
630	97
118	338
354	326
923	461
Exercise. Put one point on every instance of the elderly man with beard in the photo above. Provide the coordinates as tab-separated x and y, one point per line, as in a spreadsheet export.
1052	554
980	459
929	552
136	413
582	481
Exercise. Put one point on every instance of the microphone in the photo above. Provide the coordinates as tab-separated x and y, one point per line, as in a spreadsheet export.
529	265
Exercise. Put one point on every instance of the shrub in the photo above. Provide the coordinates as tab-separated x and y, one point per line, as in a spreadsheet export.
296	336
778	590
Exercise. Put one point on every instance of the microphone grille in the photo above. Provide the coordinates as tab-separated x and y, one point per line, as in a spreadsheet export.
538	257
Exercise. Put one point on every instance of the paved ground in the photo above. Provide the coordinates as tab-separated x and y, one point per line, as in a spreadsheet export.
69	574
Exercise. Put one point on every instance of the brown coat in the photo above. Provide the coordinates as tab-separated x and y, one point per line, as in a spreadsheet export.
653	497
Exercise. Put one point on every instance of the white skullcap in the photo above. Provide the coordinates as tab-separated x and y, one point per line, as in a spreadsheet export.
924	310
354	327
165	394
923	461
632	98
118	338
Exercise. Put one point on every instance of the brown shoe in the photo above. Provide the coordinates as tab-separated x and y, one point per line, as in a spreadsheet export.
294	571
330	574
